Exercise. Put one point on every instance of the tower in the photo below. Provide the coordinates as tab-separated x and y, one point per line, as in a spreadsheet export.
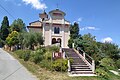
43	16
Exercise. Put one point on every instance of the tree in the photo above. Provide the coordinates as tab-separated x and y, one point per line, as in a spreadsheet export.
74	33
4	31
111	50
1	42
18	25
32	39
87	43
12	39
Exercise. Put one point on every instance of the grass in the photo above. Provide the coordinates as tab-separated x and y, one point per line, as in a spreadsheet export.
44	74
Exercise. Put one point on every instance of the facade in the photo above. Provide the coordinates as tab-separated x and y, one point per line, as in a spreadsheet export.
54	27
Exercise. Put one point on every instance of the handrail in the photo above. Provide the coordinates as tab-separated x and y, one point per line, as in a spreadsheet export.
89	60
69	67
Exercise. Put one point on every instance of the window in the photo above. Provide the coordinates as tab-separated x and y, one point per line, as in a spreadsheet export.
56	30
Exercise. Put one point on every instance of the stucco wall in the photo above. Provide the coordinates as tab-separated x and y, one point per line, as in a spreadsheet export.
47	35
35	30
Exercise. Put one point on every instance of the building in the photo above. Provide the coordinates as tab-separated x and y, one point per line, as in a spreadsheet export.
54	27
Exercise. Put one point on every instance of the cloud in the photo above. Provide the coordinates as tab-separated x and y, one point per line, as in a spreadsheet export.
107	39
37	4
78	20
89	28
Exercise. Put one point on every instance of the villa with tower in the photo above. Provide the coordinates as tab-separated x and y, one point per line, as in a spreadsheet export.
56	30
53	26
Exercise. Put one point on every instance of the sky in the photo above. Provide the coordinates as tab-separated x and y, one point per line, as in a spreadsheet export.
101	18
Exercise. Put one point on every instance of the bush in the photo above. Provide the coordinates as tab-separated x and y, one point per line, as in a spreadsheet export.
23	54
19	53
108	63
26	55
38	56
118	63
60	65
53	48
48	55
102	73
46	64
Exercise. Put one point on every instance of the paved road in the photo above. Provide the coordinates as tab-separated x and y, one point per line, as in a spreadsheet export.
11	69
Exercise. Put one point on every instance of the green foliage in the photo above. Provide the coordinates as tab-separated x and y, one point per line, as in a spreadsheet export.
32	39
38	56
18	25
12	39
48	55
1	42
23	54
46	64
60	65
4	31
102	73
74	33
118	63
108	63
38	38
53	48
110	50
26	55
70	43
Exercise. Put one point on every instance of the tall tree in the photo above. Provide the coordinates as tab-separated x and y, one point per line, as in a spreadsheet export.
4	31
74	33
18	25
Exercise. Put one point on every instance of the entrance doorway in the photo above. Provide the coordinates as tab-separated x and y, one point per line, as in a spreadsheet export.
59	41
56	41
53	41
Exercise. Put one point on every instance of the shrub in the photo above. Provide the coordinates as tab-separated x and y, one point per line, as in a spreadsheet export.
41	48
38	56
19	53
108	63
23	54
53	48
48	55
26	55
60	65
102	73
118	63
46	64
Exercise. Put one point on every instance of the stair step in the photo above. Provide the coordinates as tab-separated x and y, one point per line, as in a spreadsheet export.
73	69
81	72
80	65
77	67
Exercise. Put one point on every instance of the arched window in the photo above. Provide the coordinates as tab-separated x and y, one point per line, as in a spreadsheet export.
56	30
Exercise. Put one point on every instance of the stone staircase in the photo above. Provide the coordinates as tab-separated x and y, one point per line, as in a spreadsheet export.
78	66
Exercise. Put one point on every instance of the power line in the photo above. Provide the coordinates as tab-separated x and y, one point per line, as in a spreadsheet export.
7	11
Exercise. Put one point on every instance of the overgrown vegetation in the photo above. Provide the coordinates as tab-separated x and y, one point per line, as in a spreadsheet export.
106	55
43	57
